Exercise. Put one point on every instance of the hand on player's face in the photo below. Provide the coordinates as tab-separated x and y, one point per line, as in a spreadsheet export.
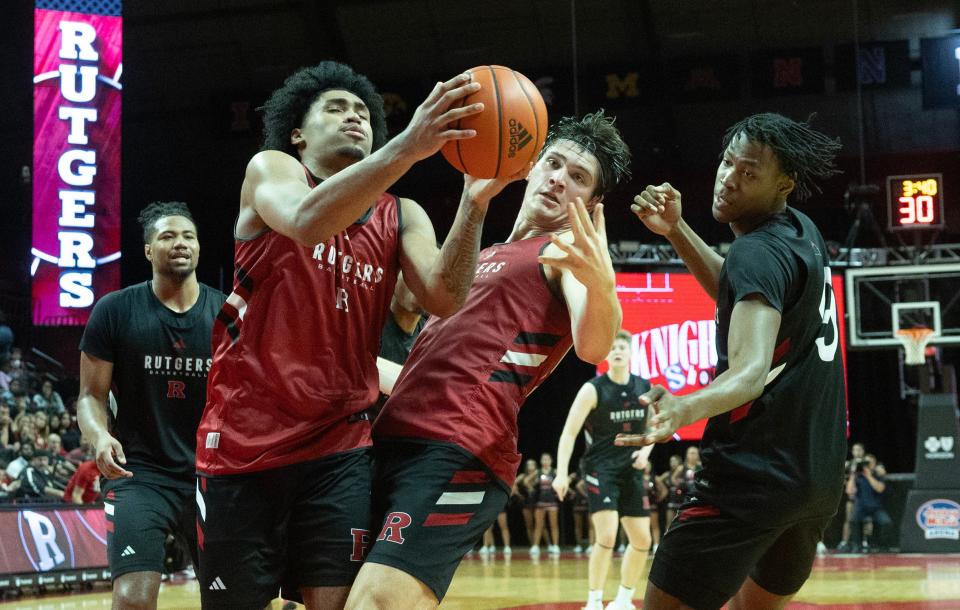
587	258
658	207
665	419
432	123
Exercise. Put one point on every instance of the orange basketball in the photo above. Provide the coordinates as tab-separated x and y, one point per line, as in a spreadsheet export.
510	129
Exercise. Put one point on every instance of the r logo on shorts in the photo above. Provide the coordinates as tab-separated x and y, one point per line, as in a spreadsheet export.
393	527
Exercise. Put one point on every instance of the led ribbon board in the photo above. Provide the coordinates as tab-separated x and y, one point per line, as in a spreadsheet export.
76	157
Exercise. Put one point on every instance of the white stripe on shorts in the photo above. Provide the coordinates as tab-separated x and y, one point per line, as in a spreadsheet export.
461	497
108	508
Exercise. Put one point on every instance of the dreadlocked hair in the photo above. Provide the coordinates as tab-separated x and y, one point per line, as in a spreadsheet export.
287	106
804	154
161	209
596	134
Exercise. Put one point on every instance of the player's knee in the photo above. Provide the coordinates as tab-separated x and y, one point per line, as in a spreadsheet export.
370	596
605	540
133	598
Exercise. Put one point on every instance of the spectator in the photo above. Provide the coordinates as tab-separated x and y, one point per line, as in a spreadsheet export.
6	336
582	526
5	376
685	475
35	483
48	399
16	466
82	453
14	391
547	509
673	497
857	451
84	485
7	436
42	423
527	487
866	484
657	493
69	432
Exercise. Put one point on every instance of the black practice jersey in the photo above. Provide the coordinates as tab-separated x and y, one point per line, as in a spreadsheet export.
160	363
618	411
780	458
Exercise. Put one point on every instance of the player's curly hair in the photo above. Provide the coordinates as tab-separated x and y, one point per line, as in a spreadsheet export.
284	110
161	209
596	134
803	153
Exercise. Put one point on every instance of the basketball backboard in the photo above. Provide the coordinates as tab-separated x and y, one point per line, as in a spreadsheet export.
883	300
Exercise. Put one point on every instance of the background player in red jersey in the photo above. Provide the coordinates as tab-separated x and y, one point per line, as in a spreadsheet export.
608	405
318	247
446	441
151	341
774	446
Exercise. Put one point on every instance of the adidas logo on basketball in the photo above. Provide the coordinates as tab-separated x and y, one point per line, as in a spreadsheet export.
519	137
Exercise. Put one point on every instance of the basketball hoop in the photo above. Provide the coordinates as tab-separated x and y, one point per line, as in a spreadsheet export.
914	342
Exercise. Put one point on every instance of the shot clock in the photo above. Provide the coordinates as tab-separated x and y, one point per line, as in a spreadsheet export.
915	201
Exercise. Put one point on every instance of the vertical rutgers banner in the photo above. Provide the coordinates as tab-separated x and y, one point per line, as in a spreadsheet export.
76	157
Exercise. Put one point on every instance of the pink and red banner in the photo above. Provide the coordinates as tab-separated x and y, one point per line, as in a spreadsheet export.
52	539
674	332
76	162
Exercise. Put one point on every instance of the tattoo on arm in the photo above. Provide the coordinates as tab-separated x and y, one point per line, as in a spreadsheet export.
459	253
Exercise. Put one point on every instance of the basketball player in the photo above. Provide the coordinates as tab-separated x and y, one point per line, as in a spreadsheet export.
283	446
774	446
446	441
607	405
151	341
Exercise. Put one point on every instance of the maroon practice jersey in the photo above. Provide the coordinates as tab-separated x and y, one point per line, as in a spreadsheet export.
295	346
469	374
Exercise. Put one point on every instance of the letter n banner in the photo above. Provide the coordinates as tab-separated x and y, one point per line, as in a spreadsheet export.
77	65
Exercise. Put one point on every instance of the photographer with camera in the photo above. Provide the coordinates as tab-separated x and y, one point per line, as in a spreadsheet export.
865	484
857	451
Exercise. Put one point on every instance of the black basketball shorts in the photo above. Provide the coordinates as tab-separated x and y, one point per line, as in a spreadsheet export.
620	489
434	501
303	525
706	555
140	514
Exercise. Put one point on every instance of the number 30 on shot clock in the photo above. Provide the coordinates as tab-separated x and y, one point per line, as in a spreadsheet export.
915	201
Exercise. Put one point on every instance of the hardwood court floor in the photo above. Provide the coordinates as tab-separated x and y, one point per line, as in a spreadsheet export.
842	582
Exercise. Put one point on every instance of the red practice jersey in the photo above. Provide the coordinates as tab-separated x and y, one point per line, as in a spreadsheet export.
295	346
469	374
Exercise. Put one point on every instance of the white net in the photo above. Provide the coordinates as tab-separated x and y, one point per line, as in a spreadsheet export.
914	342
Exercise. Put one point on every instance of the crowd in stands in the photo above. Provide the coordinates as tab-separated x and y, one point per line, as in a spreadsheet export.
42	458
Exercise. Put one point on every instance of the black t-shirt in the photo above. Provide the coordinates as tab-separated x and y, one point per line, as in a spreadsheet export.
618	411
160	363
780	458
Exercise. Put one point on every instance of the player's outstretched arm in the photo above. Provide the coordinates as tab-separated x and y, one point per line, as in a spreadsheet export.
275	189
659	208
587	282
584	402
95	378
752	338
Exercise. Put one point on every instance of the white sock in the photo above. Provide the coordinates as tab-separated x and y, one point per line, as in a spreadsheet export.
625	595
595	596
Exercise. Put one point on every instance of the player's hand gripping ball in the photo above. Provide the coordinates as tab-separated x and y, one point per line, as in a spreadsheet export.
510	130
